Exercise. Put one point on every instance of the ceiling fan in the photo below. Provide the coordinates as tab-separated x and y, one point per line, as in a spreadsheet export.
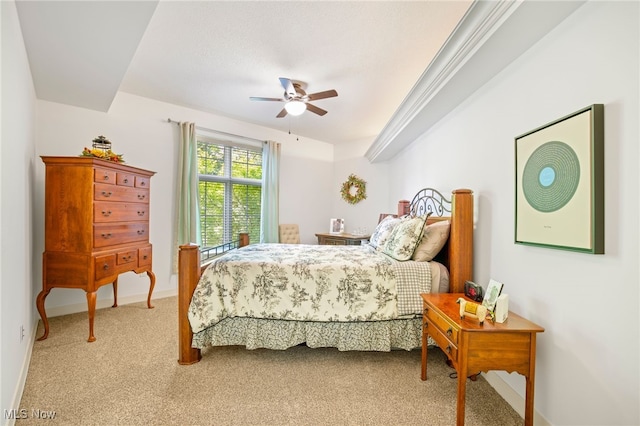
297	100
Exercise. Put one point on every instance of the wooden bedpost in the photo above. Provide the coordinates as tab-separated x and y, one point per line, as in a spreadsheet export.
243	239
188	276
461	239
189	271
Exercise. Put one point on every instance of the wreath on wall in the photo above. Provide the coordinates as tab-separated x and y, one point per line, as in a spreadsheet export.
354	190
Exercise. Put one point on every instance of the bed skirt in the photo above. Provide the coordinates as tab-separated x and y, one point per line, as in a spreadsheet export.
254	333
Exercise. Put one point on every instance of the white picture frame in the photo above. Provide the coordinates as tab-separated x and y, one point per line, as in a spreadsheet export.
491	295
336	226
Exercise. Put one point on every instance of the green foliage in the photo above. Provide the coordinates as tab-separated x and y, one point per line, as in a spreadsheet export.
222	221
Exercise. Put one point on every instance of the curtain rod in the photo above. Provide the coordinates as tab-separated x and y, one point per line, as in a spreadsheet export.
169	120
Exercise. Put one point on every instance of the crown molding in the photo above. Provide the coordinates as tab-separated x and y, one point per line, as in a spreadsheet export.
488	37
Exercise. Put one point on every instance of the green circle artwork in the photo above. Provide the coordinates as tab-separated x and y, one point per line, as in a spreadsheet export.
551	176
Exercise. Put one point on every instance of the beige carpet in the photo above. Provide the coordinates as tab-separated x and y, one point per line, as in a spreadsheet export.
130	376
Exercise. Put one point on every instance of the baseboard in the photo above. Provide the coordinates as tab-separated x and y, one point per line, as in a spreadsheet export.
513	398
22	378
106	303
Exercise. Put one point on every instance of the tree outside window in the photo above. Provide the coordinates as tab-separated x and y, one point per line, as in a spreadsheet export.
230	189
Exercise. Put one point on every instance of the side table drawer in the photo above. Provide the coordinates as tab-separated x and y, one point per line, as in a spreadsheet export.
449	348
442	324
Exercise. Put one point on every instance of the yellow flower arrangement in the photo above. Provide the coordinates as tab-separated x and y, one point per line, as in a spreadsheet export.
102	154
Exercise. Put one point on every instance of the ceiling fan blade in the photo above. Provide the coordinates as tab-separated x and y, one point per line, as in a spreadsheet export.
323	95
287	84
282	113
316	110
257	98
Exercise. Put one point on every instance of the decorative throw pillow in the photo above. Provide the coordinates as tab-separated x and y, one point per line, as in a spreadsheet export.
382	232
404	238
434	238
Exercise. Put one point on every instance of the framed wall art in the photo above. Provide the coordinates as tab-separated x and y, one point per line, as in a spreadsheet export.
560	183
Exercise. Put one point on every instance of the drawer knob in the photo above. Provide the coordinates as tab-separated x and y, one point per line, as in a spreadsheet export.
141	213
426	310
141	196
126	258
145	257
143	183
106	212
106	235
106	177
448	349
140	231
105	267
449	332
106	194
126	180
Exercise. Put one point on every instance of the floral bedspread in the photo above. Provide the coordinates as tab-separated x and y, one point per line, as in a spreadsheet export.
299	282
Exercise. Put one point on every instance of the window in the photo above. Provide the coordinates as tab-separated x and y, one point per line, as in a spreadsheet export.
230	188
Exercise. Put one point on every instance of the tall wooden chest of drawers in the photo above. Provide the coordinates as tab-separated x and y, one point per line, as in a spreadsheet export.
96	228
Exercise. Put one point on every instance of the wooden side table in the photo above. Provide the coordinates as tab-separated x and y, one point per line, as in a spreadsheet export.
341	239
472	348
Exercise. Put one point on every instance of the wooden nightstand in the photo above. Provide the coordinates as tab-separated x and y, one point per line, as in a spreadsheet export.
341	239
472	348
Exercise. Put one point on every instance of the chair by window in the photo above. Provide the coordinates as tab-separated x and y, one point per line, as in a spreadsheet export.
289	234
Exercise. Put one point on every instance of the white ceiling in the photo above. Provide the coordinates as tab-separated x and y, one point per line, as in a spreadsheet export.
214	55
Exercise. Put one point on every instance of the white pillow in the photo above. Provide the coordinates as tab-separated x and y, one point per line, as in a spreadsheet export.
382	232
434	238
404	238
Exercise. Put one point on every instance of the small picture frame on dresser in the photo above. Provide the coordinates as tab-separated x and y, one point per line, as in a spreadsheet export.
336	226
491	295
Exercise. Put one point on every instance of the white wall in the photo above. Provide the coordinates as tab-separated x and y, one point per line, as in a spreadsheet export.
138	128
588	356
349	158
17	298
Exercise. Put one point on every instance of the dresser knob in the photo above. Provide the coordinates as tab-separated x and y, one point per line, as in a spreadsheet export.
106	194
105	267
106	177
140	231
141	213
449	331
426	310
448	349
141	196
145	257
126	180
106	235
106	212
143	183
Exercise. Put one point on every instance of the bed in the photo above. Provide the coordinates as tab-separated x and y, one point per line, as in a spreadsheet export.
350	297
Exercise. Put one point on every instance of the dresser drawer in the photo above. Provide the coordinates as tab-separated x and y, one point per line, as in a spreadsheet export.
127	257
125	179
105	211
144	256
104	176
443	342
142	182
104	192
334	242
109	235
105	266
444	326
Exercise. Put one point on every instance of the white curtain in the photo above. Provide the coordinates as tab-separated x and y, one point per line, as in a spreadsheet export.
269	215
187	213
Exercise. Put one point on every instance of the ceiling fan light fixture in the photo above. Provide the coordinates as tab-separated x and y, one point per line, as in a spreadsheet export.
295	107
